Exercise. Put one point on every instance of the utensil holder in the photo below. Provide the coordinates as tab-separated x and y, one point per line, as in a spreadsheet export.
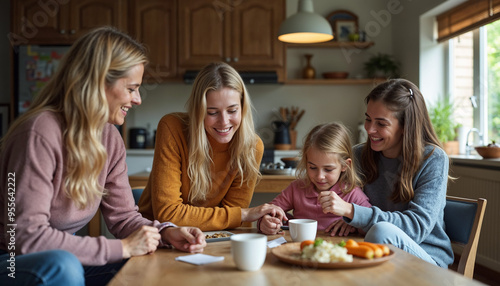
281	136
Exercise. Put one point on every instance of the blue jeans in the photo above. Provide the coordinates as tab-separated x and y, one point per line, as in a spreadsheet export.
53	267
385	232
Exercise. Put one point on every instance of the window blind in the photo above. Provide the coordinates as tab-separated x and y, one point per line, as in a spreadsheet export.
466	17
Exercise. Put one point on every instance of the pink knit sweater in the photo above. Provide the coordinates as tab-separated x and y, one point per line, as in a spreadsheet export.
45	218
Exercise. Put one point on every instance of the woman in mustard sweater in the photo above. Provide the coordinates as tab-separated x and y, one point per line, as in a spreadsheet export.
206	161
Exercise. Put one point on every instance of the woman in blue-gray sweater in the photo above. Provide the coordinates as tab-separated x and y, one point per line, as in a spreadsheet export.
405	174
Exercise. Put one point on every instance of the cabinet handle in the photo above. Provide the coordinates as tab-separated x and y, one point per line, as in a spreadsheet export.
235	60
228	59
72	32
63	32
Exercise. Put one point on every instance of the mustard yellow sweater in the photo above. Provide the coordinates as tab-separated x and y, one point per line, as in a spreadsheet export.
165	197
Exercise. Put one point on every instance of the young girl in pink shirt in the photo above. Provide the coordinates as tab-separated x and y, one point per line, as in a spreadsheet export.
325	168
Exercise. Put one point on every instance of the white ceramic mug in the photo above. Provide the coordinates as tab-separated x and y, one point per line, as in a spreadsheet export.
303	229
249	250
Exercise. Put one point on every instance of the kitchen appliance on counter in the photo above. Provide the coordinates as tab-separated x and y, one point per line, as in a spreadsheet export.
276	169
273	164
282	135
138	138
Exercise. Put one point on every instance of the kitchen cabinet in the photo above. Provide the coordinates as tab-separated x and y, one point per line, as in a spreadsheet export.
333	45
241	33
154	23
51	23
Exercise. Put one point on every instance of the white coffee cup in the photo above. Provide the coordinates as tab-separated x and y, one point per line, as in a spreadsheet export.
303	229
249	250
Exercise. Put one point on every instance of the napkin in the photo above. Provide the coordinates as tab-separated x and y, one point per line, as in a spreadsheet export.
276	242
199	259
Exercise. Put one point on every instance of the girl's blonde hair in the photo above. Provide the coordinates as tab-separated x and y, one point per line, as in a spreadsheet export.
330	138
77	94
407	104
242	148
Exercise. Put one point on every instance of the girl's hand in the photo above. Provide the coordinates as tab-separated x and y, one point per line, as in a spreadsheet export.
253	214
340	227
332	203
189	239
142	241
270	225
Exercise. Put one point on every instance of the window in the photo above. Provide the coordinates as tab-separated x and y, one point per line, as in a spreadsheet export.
474	72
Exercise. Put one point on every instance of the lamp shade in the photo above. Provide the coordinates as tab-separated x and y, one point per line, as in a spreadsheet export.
305	26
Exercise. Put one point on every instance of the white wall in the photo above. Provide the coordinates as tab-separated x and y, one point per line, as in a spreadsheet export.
422	57
322	104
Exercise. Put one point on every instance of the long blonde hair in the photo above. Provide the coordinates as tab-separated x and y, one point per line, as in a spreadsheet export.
76	93
242	148
405	100
330	138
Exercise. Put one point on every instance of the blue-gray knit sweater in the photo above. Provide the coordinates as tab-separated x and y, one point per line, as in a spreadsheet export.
423	217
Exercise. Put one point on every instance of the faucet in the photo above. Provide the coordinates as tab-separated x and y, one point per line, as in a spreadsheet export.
469	147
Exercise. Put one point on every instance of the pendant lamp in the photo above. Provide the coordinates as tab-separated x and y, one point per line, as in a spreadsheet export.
305	26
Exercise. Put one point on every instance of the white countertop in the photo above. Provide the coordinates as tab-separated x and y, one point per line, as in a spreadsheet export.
141	160
140	152
282	153
460	160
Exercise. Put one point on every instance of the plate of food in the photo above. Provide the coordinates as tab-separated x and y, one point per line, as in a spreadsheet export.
316	257
213	236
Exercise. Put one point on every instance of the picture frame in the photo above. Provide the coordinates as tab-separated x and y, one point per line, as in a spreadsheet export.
343	28
343	23
4	119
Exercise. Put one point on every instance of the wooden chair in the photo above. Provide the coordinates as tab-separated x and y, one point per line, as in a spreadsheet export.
463	220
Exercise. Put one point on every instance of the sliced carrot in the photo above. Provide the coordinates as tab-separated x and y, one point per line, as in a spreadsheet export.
377	251
351	242
306	243
385	249
360	251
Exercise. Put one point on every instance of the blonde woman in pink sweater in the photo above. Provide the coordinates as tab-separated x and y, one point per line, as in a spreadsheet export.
63	160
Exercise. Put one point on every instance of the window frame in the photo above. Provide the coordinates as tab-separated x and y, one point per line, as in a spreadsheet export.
480	82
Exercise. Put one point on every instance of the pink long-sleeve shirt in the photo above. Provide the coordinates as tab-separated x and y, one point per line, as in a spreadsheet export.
45	218
304	202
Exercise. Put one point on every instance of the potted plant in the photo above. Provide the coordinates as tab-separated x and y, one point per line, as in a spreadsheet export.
382	66
441	115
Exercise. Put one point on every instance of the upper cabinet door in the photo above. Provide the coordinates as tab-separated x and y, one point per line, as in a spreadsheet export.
154	23
86	15
241	33
255	25
36	22
51	23
202	34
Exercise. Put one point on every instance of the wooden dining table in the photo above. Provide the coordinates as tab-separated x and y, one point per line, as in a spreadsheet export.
161	268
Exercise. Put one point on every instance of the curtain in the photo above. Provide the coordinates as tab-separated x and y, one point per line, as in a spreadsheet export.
466	17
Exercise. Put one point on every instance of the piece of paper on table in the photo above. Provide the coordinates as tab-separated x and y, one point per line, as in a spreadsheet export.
199	259
276	242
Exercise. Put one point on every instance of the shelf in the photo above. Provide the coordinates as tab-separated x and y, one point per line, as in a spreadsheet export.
333	44
348	81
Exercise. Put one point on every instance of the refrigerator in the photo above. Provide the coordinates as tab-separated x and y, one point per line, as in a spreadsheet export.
33	67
